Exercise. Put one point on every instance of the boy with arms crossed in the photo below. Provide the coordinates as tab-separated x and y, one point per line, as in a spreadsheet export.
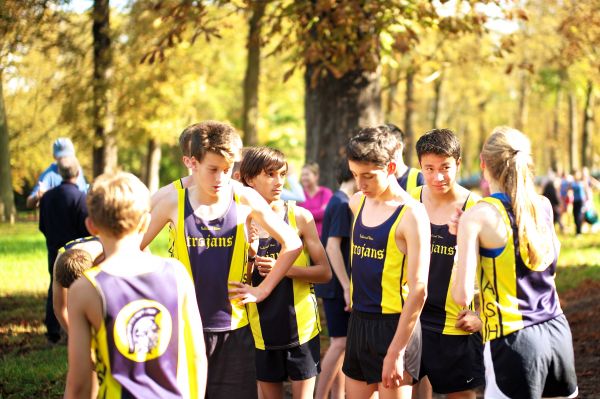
452	357
142	333
210	220
286	324
390	262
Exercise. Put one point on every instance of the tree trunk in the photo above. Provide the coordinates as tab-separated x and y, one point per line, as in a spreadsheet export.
437	100
334	109
153	165
105	149
7	204
521	118
251	79
554	153
409	105
573	144
588	126
392	90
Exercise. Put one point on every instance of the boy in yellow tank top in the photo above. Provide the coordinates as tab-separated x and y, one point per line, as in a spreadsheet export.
389	260
452	358
209	220
286	325
141	334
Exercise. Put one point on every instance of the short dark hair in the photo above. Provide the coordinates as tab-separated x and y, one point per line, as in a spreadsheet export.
212	136
70	265
377	145
259	159
396	131
343	173
68	167
439	142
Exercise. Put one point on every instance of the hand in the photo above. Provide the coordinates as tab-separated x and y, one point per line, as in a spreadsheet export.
453	223
348	307
245	293
264	264
468	321
393	369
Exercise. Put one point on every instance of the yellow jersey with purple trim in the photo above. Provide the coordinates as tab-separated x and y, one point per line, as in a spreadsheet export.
513	294
144	346
289	316
378	281
440	312
214	253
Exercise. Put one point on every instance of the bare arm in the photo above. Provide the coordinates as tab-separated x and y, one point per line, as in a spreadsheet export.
336	258
291	245
319	271
160	194
467	256
59	301
161	214
415	231
80	376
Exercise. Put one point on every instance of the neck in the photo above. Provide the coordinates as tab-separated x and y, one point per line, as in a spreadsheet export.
347	187
440	198
392	191
494	187
312	189
401	168
128	244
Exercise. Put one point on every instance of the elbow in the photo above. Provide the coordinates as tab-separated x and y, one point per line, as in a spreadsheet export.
326	275
461	297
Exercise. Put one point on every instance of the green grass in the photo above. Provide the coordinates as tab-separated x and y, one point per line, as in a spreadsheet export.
29	367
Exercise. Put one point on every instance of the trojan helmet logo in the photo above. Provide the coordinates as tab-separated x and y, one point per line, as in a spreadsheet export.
142	330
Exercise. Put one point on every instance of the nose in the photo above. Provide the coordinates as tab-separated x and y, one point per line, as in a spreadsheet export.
439	176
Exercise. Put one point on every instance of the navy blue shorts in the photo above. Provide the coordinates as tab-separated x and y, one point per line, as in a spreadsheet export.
337	318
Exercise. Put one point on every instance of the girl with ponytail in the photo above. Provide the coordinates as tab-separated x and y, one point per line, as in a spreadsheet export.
508	244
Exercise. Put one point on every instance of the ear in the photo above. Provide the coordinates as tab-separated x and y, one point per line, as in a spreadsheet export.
391	168
144	223
481	163
187	161
458	161
91	227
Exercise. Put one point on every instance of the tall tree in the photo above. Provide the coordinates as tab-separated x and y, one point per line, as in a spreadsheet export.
573	142
251	78
7	204
105	147
588	120
20	23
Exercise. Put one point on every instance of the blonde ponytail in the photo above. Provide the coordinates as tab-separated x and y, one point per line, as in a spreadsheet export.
507	156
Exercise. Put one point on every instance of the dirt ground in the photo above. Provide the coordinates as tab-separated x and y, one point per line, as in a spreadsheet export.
582	307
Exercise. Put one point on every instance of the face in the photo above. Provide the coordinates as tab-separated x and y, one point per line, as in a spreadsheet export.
213	173
371	179
439	172
308	178
269	184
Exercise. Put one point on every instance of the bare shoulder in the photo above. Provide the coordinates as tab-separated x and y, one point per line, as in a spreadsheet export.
481	213
248	196
303	214
81	291
161	193
354	201
415	211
